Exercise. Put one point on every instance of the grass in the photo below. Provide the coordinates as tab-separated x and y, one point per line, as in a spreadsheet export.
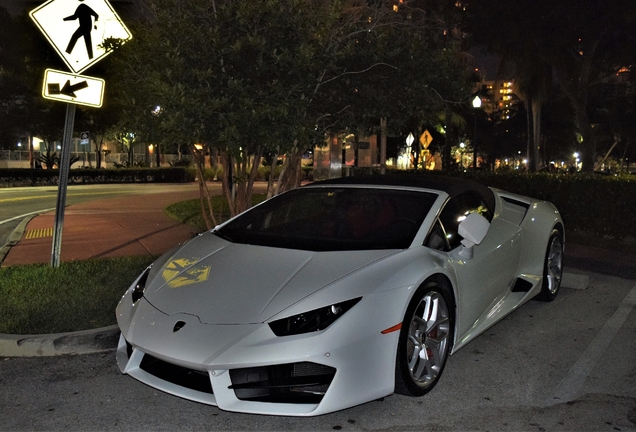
79	295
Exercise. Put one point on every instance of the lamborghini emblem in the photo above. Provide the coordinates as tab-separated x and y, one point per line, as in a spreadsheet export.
183	271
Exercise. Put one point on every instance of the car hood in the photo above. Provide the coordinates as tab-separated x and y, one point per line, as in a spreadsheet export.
227	283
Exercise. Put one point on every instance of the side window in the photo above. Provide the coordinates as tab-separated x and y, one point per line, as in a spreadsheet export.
437	238
456	210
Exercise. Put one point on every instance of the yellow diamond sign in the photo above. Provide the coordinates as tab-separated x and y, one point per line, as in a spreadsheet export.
426	139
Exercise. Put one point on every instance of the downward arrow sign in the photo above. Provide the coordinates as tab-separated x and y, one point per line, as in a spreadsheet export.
69	90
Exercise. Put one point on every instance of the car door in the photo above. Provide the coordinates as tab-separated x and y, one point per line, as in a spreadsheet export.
485	279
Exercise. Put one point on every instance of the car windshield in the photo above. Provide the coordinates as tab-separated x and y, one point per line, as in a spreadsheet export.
333	219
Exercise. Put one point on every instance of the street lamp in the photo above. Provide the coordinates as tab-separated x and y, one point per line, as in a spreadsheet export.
576	160
476	105
150	151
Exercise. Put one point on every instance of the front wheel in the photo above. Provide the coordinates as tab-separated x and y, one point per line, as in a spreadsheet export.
425	340
552	267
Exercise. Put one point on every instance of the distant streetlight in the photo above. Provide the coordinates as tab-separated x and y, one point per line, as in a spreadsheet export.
476	105
151	147
577	160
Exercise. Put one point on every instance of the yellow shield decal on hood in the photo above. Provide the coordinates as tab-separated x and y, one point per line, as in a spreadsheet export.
182	272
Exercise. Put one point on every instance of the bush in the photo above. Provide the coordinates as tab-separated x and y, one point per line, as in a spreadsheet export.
38	177
592	203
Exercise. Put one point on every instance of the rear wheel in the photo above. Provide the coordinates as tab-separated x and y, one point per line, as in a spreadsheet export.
425	340
552	267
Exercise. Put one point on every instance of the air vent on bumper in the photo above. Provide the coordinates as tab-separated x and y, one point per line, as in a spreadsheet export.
287	383
185	377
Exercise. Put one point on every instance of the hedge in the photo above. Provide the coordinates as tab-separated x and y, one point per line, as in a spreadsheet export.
10	177
590	203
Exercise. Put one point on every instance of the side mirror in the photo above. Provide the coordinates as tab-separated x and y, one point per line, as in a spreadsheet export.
473	229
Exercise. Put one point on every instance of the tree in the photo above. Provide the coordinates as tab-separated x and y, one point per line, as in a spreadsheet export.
583	41
246	78
417	78
9	78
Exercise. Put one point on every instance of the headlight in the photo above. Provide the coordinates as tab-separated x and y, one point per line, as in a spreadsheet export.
317	319
140	286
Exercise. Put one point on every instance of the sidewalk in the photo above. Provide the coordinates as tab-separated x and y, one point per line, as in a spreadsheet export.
130	225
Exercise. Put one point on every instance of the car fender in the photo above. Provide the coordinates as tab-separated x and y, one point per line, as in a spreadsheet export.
405	269
541	219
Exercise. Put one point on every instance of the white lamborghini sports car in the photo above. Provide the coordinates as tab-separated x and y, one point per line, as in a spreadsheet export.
337	293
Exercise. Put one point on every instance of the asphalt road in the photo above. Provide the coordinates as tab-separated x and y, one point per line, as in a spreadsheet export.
567	365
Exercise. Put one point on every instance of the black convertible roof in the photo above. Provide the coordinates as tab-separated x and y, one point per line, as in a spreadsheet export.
451	185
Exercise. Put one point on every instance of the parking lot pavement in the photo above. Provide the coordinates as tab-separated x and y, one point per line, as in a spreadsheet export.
591	259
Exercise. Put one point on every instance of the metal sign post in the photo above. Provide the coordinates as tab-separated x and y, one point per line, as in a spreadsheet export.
62	184
64	23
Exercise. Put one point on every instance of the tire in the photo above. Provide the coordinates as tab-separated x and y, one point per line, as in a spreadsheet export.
425	339
552	268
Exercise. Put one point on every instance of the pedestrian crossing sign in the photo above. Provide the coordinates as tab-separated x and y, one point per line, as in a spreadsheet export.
77	29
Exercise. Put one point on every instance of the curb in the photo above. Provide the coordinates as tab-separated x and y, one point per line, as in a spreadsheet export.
47	345
15	237
575	281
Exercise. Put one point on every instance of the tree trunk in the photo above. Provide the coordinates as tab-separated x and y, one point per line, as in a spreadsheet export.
31	159
624	160
383	145
292	173
536	133
98	152
227	180
589	145
448	140
245	188
270	181
617	140
530	131
204	193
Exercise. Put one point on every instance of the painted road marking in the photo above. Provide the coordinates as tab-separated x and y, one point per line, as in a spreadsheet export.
569	386
39	233
53	196
25	215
